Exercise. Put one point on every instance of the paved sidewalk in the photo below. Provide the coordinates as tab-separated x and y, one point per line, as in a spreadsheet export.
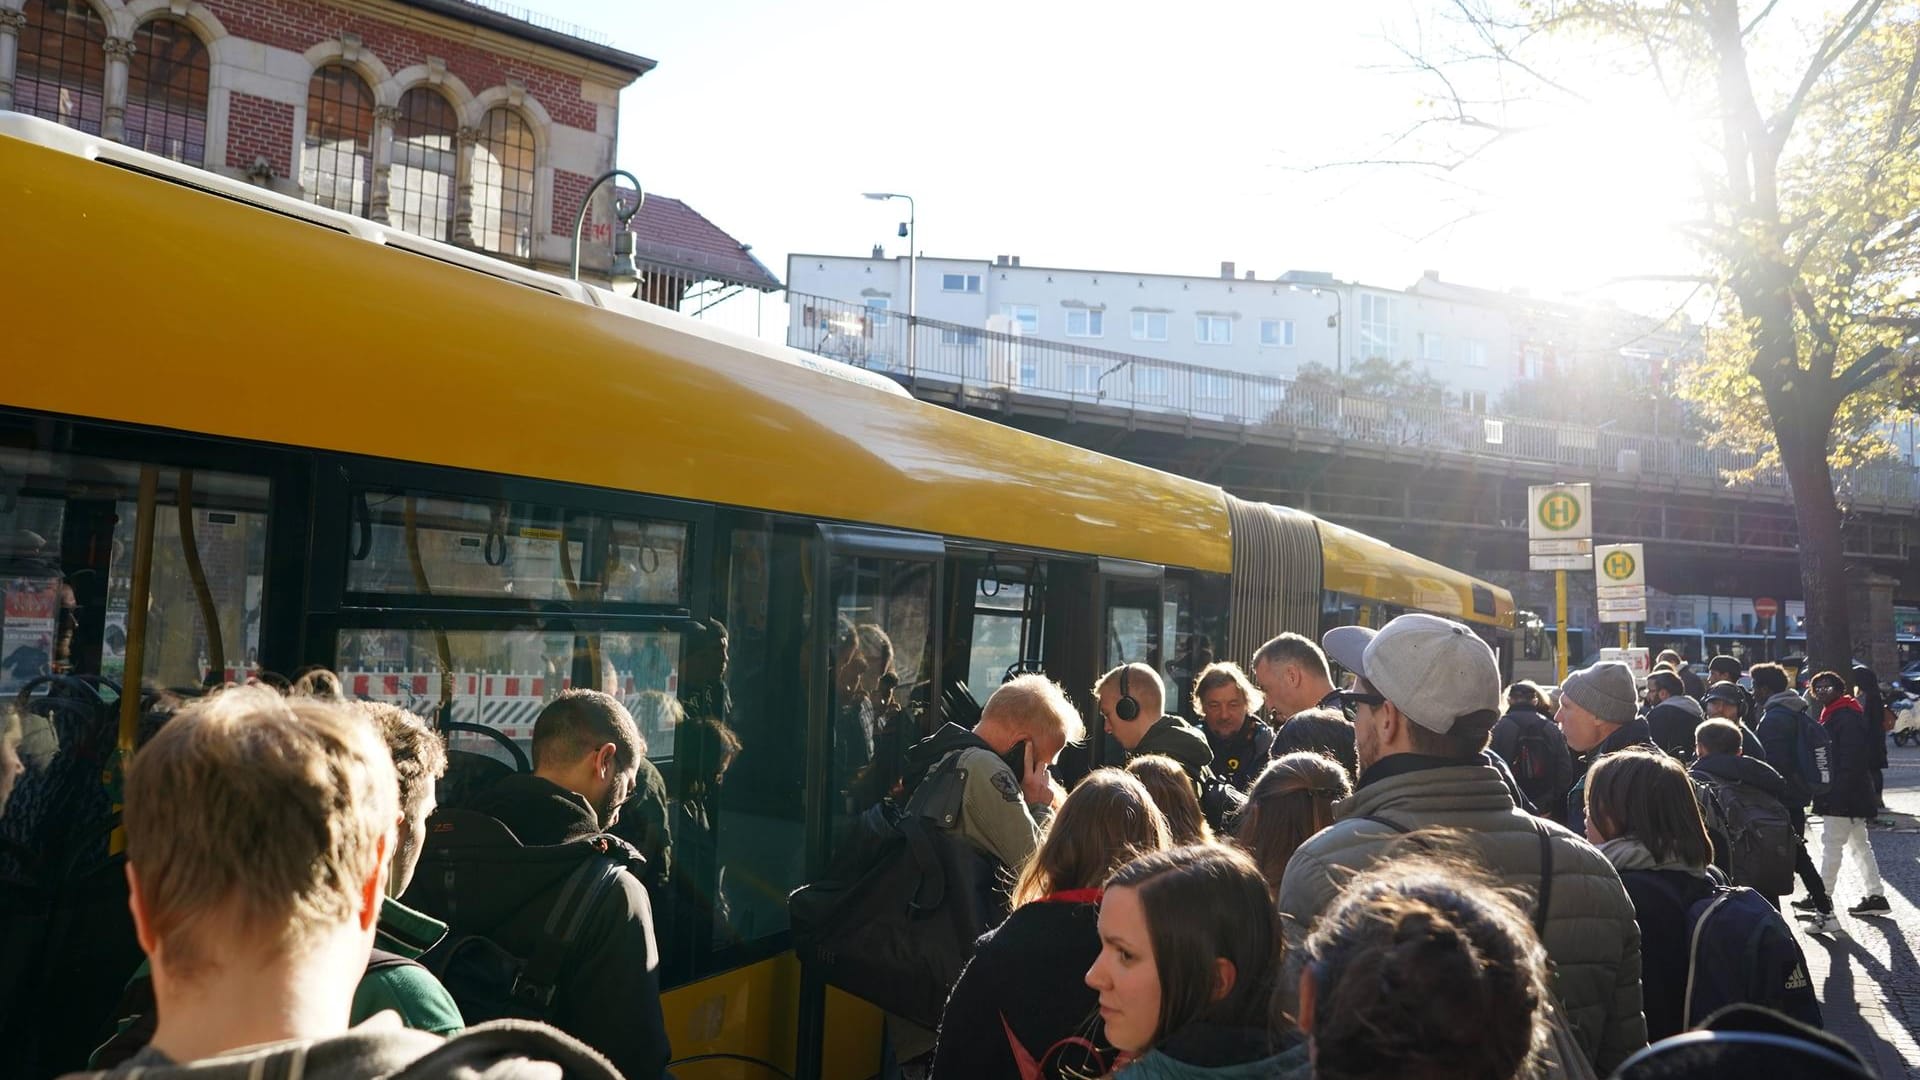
1867	978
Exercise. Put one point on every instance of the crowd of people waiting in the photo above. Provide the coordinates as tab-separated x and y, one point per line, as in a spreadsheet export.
1420	875
1401	878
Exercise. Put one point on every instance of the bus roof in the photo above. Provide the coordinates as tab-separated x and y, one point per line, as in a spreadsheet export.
237	313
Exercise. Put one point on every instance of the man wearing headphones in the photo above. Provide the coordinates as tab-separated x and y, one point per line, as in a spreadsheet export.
1132	701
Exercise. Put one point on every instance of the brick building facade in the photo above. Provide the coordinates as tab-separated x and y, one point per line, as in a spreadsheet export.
447	118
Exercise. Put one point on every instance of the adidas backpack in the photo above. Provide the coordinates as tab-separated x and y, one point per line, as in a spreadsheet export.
1740	951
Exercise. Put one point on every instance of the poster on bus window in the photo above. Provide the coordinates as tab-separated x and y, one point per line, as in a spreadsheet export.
32	615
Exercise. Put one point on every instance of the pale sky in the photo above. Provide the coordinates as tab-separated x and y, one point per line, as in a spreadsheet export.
1122	136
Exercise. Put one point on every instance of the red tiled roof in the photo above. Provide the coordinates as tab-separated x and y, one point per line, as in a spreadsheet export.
669	234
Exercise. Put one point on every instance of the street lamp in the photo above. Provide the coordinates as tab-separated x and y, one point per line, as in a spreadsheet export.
1338	323
622	268
913	267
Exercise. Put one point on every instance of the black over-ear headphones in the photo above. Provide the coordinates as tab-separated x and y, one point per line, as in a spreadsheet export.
1128	707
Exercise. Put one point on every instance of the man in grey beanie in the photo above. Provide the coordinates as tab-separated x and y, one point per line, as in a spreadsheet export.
1599	712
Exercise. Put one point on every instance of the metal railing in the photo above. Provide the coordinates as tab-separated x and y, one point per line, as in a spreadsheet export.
877	339
544	21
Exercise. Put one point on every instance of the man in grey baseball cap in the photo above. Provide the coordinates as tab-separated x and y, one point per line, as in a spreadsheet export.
1425	701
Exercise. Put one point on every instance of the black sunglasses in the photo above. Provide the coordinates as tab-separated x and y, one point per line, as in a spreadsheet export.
1356	697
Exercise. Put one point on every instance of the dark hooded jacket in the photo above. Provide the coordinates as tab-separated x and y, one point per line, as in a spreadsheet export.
502	1050
1740	769
609	989
1672	724
1240	757
1172	736
1547	793
1779	731
1181	741
1874	707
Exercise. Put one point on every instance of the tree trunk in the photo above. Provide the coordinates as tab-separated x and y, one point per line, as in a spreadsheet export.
1803	453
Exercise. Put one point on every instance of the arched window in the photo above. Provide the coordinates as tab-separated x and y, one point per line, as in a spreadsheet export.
503	185
61	71
167	92
424	158
336	170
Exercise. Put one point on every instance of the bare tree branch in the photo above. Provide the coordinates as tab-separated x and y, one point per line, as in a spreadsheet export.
1755	22
1842	36
1484	27
1864	371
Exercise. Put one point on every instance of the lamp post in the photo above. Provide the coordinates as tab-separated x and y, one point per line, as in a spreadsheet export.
622	269
913	268
1339	322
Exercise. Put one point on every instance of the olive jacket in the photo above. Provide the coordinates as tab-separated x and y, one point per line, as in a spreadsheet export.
1591	936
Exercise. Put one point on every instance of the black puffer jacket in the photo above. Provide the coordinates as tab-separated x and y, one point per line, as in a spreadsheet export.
608	994
1851	794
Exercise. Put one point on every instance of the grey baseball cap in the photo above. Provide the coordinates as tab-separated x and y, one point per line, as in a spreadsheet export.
1434	670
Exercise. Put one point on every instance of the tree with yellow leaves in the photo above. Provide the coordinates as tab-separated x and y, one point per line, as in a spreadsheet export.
1809	224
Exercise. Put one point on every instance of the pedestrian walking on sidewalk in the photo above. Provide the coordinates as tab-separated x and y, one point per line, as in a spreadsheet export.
1849	804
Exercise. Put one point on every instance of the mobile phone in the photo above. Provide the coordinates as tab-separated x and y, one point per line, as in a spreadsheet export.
1016	758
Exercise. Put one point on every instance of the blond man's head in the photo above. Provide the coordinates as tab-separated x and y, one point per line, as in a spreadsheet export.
1036	708
257	821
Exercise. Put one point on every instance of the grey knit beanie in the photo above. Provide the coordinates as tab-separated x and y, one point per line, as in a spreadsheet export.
1606	690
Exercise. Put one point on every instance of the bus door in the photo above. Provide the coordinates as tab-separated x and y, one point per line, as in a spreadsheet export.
879	661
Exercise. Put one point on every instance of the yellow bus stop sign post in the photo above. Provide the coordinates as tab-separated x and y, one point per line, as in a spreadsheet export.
1560	538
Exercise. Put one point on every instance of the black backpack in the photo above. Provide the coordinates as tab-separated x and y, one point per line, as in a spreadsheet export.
1761	842
1533	755
897	914
487	980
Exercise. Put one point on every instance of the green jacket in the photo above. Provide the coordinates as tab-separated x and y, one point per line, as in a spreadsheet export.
1181	741
1591	937
423	1004
413	992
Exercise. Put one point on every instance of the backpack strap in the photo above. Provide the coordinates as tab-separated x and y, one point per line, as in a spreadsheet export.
382	960
1388	822
941	792
537	981
1546	865
930	891
1693	956
1545	898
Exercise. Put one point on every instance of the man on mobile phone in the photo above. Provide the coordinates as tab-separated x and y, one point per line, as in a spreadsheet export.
1007	791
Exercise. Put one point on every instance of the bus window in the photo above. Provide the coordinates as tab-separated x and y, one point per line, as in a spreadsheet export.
69	530
738	785
1134	615
882	673
500	679
1008	606
423	544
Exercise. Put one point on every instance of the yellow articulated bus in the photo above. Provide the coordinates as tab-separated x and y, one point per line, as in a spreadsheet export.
239	433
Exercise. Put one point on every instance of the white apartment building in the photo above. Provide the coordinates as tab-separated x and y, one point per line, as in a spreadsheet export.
1476	342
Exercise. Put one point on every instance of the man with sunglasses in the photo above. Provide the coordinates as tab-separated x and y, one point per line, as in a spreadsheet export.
1425	699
